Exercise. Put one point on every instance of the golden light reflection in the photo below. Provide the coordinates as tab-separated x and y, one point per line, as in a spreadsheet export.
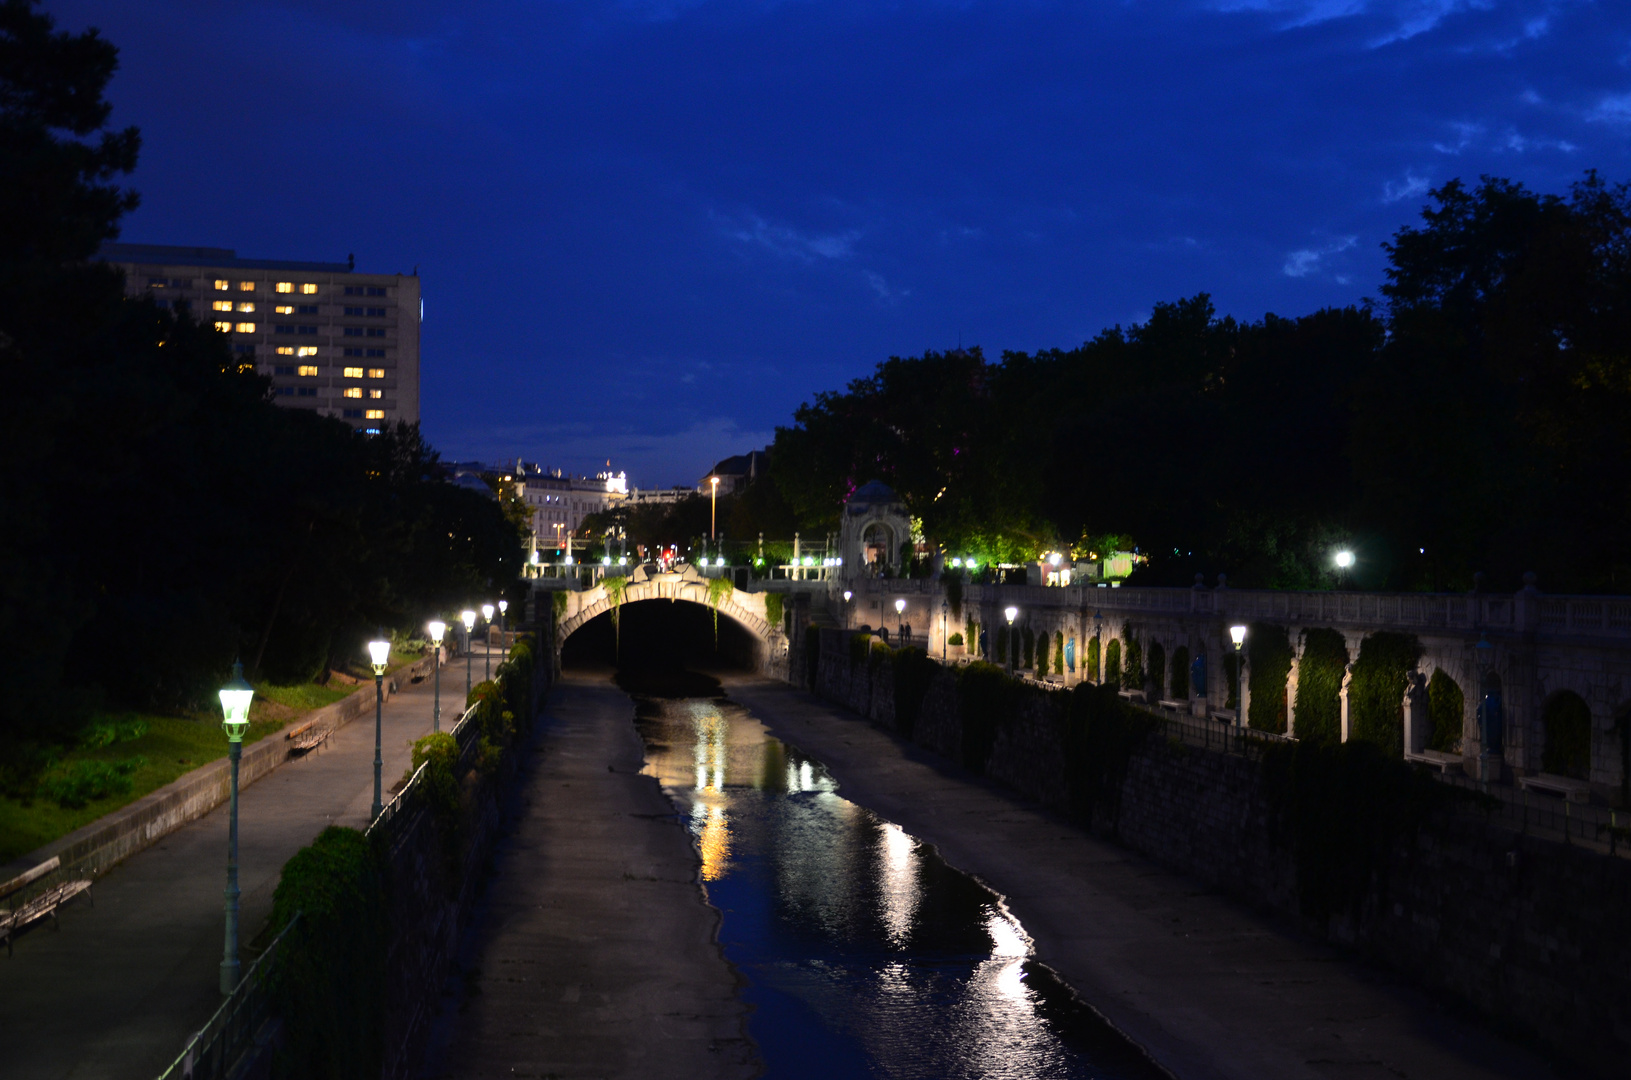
899	893
708	818
713	839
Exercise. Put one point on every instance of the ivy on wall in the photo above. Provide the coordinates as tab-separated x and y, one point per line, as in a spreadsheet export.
1112	663
773	608
1041	652
1376	693
1567	726
1028	640
1180	673
719	589
985	694
1319	685
1091	661
1059	652
1158	669
1132	670
1101	733
1268	664
1446	712
953	584
971	637
913	672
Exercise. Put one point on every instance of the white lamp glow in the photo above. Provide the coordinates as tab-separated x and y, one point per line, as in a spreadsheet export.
487	612
900	606
437	628
1345	559
503	607
1011	613
469	619
379	652
235	698
1237	634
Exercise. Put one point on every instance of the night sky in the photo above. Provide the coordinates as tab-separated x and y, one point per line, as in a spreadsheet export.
648	230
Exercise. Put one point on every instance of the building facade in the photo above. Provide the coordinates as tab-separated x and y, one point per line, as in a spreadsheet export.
332	340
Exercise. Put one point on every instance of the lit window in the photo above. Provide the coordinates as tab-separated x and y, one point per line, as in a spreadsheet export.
246	286
374	414
222	305
353	391
285	350
307	369
284	309
353	372
376	394
246	307
245	328
221	285
285	286
306	350
224	327
309	289
376	373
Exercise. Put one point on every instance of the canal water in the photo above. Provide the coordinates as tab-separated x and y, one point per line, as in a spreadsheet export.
865	954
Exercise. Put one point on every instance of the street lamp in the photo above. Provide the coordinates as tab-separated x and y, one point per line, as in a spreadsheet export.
379	652
504	628
1344	561
235	698
437	629
945	626
487	645
467	617
847	595
1237	634
901	630
1010	613
713	506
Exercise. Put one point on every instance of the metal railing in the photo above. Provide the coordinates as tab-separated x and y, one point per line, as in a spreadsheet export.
213	1053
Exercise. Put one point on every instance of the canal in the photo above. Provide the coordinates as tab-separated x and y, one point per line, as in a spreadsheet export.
863	953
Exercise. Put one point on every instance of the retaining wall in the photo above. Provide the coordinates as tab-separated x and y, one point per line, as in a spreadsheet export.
1528	931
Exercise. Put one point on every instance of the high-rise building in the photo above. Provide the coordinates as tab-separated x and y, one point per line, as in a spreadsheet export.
342	343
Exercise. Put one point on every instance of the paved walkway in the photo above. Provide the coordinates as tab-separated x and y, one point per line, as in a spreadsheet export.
116	992
1212	990
595	953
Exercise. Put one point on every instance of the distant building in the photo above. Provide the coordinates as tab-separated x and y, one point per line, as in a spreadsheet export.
559	503
660	496
332	340
736	473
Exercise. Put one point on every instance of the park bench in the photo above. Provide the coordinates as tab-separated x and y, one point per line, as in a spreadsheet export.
1132	695
1434	759
1176	706
17	917
1575	791
308	736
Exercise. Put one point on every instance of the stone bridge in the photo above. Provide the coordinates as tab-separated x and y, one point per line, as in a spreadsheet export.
1560	664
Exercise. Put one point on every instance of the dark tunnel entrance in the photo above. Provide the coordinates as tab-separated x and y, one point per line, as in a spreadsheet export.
661	635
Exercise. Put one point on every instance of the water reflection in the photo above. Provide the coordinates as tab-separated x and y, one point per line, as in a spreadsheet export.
865	954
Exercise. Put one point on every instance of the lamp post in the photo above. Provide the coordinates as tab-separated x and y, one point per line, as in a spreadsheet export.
437	629
901	629
235	698
1237	634
945	626
1010	613
467	617
1098	639
487	645
504	630
713	504
847	595
379	652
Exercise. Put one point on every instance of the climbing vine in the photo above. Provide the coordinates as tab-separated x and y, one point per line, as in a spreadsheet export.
1319	685
773	608
913	672
1041	652
1268	665
1059	652
557	602
1158	669
1132	673
1446	708
1376	693
1092	661
953	584
1112	663
1101	733
1180	673
616	588
719	589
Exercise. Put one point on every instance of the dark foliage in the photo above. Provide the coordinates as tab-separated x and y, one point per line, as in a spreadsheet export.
913	671
985	694
1319	686
1101	733
1268	663
1376	693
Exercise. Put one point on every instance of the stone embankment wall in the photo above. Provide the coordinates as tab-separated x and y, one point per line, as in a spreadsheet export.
92	850
1529	931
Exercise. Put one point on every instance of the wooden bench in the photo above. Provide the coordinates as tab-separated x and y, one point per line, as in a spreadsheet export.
17	917
1132	695
308	736
1575	791
1176	706
1434	759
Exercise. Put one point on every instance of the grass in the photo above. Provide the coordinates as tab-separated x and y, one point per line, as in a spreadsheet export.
171	747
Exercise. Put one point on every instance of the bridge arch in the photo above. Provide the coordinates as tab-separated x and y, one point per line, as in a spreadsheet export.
746	609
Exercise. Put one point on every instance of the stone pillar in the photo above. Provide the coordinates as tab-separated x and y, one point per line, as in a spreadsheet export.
1417	724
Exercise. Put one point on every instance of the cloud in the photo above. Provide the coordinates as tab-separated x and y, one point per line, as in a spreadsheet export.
1411	187
789	243
1301	263
1465	134
1614	109
885	292
1408	18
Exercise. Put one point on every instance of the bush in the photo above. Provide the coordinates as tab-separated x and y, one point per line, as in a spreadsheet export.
1180	673
1567	723
1319	686
1003	633
1041	651
1446	712
1158	669
1059	652
1028	641
1101	733
329	983
1132	671
107	730
955	639
971	635
913	672
1376	692
440	752
80	782
985	694
1090	665
773	609
1269	659
859	645
1112	663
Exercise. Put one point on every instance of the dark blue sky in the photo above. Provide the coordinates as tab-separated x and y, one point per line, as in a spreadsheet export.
649	229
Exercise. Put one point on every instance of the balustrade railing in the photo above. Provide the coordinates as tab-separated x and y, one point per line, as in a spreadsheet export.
213	1053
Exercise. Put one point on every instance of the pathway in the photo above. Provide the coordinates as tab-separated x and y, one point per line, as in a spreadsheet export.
115	993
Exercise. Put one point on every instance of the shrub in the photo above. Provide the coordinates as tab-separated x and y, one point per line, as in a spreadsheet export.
1132	670
1158	669
1376	692
913	672
107	730
859	644
955	639
773	609
439	752
1112	663
985	695
1003	633
1180	673
1101	733
1319	686
1269	663
1059	652
1446	711
1027	640
1091	663
80	782
329	984
1041	651
1567	722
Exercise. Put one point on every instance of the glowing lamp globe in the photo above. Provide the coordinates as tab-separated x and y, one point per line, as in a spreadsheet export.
504	606
235	698
1345	559
379	653
437	628
720	561
487	612
1237	634
900	606
469	620
847	595
1011	613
